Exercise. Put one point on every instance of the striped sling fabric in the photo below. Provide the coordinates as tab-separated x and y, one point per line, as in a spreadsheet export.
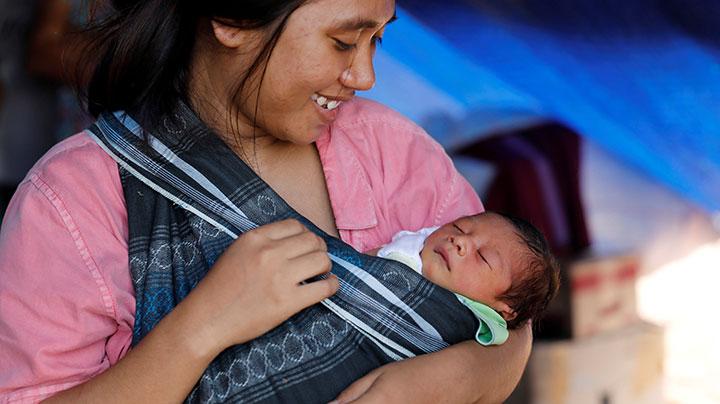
188	197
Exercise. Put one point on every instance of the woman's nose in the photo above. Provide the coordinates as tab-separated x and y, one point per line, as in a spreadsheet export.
361	73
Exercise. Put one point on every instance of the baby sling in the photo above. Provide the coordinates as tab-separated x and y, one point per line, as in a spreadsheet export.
188	197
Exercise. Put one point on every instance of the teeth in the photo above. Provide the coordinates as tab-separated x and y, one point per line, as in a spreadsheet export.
324	102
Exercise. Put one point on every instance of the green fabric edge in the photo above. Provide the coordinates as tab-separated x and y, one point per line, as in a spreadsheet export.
493	328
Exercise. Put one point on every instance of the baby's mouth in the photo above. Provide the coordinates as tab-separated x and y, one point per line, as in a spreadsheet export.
443	253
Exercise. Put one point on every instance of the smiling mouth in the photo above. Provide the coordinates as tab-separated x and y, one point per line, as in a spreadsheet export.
326	102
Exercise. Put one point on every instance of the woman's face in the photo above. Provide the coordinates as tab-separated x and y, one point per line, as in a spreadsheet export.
323	56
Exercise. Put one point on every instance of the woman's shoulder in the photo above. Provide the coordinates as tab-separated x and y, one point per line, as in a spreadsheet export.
77	153
64	241
364	111
384	173
361	110
380	128
79	174
78	163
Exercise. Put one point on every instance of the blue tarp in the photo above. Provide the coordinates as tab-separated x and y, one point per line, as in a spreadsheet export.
641	77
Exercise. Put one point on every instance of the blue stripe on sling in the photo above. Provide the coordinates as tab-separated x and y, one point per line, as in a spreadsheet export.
188	197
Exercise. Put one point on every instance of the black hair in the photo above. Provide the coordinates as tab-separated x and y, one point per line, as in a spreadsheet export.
530	296
140	52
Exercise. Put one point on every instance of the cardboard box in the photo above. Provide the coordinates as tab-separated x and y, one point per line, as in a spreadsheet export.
625	366
597	294
602	294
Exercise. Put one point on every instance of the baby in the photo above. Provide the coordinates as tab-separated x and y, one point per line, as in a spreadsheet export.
500	267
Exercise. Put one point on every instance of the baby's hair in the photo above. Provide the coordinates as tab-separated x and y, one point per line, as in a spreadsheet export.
530	295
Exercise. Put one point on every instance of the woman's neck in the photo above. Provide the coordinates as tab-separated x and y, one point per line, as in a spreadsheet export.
252	145
294	171
210	92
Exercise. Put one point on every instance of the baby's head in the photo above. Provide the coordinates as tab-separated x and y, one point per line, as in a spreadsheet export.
499	261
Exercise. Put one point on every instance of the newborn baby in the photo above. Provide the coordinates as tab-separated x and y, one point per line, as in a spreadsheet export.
500	267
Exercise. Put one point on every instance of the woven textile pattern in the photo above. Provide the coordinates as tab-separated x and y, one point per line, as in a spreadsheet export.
188	196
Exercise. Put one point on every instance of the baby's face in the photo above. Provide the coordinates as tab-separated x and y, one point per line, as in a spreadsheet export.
477	257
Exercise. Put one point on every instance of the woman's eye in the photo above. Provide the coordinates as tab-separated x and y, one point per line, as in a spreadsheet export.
377	41
342	46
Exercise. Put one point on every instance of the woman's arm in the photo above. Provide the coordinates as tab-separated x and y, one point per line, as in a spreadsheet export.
463	373
163	367
254	286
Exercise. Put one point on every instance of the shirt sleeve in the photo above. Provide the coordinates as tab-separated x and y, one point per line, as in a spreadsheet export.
58	316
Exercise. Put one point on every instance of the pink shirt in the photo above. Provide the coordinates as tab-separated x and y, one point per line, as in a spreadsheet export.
67	303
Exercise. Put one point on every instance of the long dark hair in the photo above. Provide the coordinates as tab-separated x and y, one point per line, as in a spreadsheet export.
139	57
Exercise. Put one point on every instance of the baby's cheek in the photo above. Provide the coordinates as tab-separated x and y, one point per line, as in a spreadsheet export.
472	286
464	287
432	274
428	272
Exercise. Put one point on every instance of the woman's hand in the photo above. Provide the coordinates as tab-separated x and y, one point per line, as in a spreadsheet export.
254	286
463	373
377	386
258	283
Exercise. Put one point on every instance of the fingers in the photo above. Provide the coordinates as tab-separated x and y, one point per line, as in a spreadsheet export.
282	229
358	389
301	244
290	237
307	266
313	292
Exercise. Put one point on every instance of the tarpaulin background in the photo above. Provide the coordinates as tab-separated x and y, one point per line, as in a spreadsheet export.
641	77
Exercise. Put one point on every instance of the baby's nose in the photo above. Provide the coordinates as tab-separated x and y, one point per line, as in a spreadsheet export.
460	244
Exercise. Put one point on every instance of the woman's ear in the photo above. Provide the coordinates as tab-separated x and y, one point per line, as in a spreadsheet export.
227	35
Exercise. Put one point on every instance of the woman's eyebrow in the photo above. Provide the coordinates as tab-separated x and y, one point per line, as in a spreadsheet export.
357	24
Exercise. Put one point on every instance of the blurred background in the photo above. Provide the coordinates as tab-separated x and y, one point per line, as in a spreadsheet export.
37	108
597	120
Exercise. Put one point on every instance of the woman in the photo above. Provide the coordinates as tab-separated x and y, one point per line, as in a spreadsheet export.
256	73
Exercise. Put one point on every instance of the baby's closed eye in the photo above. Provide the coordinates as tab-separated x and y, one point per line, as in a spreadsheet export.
479	252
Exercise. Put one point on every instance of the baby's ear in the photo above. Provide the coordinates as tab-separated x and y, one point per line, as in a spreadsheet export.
505	311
